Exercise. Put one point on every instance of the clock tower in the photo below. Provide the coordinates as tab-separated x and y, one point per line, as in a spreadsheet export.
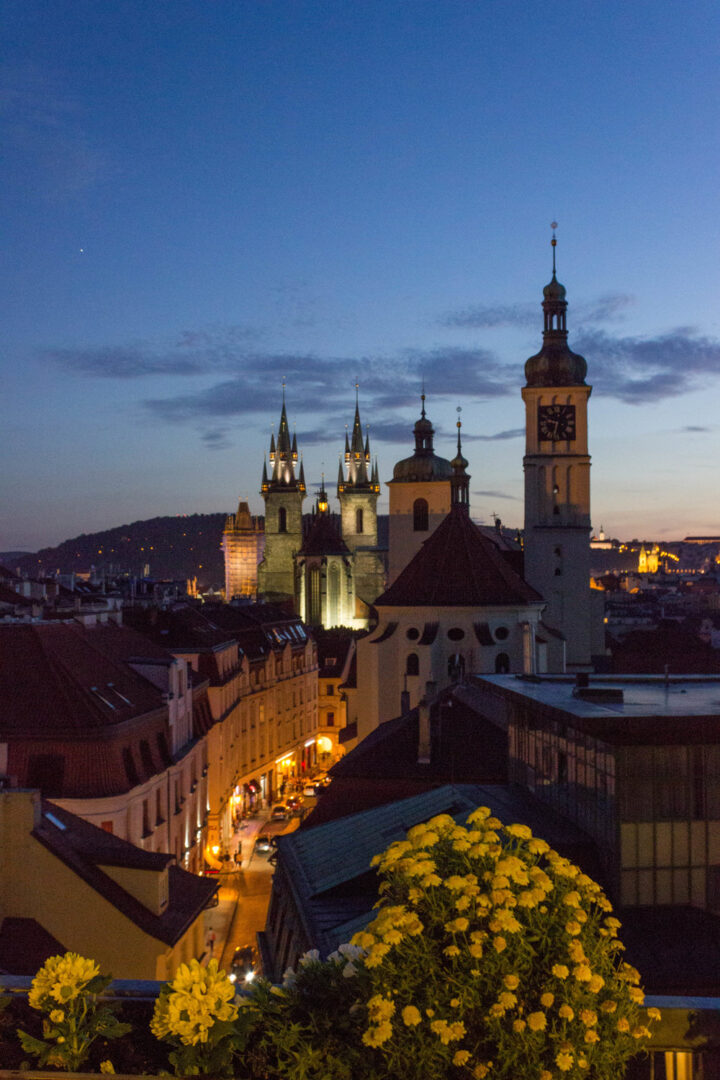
557	486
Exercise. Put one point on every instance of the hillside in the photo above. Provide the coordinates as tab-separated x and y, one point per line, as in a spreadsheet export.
173	547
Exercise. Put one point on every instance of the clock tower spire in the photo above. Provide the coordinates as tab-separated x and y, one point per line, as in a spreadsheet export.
557	485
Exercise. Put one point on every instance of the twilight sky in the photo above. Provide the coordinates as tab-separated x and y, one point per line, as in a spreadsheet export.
202	197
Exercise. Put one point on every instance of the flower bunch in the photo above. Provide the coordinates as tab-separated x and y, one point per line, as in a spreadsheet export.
196	1012
68	989
493	956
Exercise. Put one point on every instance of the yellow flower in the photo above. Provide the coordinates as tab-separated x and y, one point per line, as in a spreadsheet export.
107	1066
519	1026
564	1060
457	925
573	927
609	1006
560	971
582	973
377	1035
392	937
380	1008
537	1021
57	1016
521	831
411	1016
499	943
596	984
545	1075
653	1013
506	1000
461	1057
566	1012
511	982
479	815
572	899
591	1036
476	951
482	1070
623	1024
546	1000
538	847
451	951
448	1033
588	1017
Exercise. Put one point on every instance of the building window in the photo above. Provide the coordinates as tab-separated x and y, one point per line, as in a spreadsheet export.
502	663
412	664
146	830
420	515
282	520
331	719
330	689
358	521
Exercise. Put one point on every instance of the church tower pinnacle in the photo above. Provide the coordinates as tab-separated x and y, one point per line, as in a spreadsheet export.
557	483
358	489
283	492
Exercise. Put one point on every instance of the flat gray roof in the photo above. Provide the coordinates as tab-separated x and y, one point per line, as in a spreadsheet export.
680	709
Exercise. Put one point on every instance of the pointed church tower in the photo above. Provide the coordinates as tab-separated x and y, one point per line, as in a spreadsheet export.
358	489
283	493
419	497
557	484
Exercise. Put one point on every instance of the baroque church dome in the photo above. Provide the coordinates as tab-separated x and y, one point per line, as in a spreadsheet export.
424	464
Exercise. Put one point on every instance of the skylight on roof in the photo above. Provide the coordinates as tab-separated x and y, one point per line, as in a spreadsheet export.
94	690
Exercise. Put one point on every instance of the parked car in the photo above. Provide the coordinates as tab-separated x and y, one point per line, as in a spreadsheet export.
244	965
279	812
265	843
294	804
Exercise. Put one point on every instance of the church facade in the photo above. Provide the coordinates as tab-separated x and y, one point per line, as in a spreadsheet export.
329	566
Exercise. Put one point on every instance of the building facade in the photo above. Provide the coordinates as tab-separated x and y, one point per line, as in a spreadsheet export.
101	721
243	545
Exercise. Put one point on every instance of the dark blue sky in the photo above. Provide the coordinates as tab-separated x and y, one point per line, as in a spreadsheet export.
203	197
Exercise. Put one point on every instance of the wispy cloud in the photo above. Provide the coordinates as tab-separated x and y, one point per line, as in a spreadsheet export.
606	308
642	370
511	433
495	495
217	439
44	133
692	428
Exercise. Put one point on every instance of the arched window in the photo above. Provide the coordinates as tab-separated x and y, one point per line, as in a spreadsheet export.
420	515
358	521
502	663
456	666
412	664
282	519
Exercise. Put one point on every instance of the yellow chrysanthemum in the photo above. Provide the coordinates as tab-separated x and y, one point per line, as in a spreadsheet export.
411	1016
537	1021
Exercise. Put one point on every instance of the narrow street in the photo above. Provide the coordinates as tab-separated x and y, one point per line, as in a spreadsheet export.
244	895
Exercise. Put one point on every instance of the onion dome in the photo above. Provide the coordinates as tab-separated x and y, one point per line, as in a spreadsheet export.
556	364
424	464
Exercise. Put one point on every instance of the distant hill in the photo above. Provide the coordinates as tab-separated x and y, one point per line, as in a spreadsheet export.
173	547
184	546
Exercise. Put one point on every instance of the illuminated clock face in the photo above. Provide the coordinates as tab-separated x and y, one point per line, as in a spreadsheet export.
556	423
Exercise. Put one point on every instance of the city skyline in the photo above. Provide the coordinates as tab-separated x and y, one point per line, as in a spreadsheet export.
206	200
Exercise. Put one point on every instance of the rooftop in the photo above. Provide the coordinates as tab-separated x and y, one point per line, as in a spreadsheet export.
624	709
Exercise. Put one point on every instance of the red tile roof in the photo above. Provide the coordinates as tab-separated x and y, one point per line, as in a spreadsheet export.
458	566
71	679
